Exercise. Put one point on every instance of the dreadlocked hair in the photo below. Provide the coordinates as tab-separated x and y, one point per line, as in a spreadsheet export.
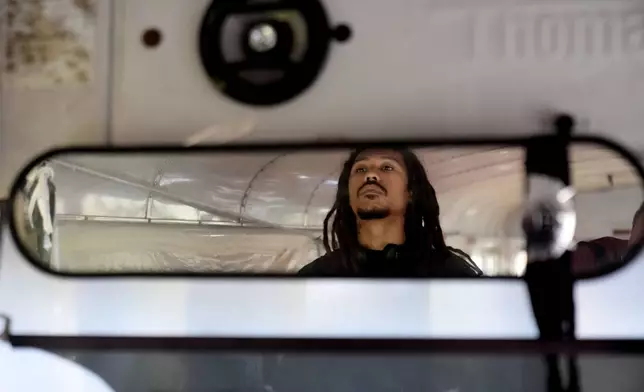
423	233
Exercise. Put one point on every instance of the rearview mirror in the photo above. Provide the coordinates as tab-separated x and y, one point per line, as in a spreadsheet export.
432	209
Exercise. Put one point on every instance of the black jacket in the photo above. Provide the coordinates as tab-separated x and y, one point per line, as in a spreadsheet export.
393	261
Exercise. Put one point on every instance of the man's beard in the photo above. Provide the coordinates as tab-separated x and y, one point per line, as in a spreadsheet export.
373	214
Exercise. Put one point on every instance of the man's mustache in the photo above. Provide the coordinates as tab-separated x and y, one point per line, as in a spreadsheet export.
373	183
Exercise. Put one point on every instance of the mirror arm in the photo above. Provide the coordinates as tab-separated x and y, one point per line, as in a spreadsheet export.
550	281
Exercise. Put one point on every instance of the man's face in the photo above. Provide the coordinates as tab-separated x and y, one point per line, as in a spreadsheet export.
378	185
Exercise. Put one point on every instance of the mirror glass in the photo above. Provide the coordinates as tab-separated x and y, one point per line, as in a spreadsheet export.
608	201
264	212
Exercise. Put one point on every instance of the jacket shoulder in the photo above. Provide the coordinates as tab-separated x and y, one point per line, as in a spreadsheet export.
469	266
328	264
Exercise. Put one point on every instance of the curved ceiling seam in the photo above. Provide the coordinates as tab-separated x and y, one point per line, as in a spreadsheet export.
310	199
244	199
155	184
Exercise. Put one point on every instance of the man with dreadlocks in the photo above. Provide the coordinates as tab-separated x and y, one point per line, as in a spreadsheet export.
384	222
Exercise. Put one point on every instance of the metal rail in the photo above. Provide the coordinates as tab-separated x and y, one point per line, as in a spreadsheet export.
145	187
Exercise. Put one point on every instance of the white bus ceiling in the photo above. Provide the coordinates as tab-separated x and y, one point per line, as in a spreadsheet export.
412	67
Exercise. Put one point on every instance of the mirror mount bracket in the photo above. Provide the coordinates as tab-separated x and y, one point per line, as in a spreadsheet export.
564	124
550	284
549	279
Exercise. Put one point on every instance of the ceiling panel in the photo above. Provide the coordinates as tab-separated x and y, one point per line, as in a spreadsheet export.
478	189
83	194
281	192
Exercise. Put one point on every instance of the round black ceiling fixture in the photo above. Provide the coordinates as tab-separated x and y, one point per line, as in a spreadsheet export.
266	53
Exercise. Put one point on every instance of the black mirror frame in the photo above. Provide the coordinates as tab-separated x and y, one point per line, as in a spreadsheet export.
284	147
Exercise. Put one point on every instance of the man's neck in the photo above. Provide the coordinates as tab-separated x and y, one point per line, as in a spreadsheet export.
377	233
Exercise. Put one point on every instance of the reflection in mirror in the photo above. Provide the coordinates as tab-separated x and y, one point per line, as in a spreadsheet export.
608	202
264	212
36	210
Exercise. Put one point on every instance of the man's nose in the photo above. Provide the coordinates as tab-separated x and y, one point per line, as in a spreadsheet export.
371	177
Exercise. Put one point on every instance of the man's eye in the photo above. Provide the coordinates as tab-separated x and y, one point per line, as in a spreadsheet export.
387	168
361	170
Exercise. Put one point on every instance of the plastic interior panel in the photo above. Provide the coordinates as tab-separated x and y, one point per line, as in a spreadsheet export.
297	308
